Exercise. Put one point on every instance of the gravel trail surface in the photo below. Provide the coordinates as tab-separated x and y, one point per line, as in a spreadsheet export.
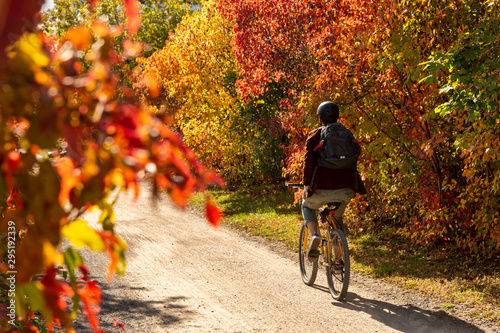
185	276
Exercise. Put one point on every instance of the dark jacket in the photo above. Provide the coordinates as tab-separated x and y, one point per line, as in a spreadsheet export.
326	178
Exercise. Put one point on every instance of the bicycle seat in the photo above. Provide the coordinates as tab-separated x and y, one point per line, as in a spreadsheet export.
334	204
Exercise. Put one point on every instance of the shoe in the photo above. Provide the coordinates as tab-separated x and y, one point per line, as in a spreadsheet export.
312	252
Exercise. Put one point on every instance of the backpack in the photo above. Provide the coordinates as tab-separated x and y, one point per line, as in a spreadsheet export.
337	147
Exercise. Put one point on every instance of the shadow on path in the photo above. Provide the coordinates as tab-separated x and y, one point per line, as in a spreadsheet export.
406	318
147	316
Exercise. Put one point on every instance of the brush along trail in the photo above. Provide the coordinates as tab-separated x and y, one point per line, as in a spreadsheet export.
183	275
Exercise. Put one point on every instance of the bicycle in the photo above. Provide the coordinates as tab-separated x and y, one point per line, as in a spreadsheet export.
334	251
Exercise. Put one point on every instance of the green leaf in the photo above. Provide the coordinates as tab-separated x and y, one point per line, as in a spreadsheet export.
429	80
31	294
72	259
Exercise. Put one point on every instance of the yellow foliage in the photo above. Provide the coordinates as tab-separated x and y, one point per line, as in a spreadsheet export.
80	234
191	72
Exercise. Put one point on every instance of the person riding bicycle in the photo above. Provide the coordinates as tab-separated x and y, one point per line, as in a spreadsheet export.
323	184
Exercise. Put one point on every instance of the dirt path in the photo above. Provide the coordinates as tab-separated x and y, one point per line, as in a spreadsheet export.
185	276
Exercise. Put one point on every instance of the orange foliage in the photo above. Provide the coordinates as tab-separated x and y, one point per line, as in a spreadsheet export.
413	116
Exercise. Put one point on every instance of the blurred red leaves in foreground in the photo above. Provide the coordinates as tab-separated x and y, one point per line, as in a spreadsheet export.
213	212
72	135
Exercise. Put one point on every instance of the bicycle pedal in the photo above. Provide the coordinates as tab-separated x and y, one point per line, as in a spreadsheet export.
314	254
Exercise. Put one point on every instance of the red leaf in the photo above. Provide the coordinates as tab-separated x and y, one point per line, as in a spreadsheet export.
13	158
91	296
65	168
134	19
117	323
114	249
213	213
55	292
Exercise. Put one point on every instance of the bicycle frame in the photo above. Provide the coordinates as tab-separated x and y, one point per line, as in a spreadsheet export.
327	215
333	223
304	245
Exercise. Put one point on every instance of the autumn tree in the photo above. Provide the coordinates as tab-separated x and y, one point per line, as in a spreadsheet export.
158	18
466	74
197	73
71	137
373	59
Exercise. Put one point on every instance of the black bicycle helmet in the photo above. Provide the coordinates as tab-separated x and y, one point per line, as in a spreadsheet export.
328	112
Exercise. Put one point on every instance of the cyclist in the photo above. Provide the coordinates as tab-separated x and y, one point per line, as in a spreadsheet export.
328	184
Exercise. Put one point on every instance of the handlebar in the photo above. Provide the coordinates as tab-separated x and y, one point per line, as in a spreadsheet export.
295	185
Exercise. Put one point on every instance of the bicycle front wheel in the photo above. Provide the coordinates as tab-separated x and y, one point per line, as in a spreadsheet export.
339	266
308	269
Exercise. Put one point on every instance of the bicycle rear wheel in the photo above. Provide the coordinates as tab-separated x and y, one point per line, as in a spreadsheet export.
339	266
308	269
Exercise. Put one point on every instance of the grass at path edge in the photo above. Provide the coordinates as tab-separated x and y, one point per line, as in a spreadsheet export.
448	276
